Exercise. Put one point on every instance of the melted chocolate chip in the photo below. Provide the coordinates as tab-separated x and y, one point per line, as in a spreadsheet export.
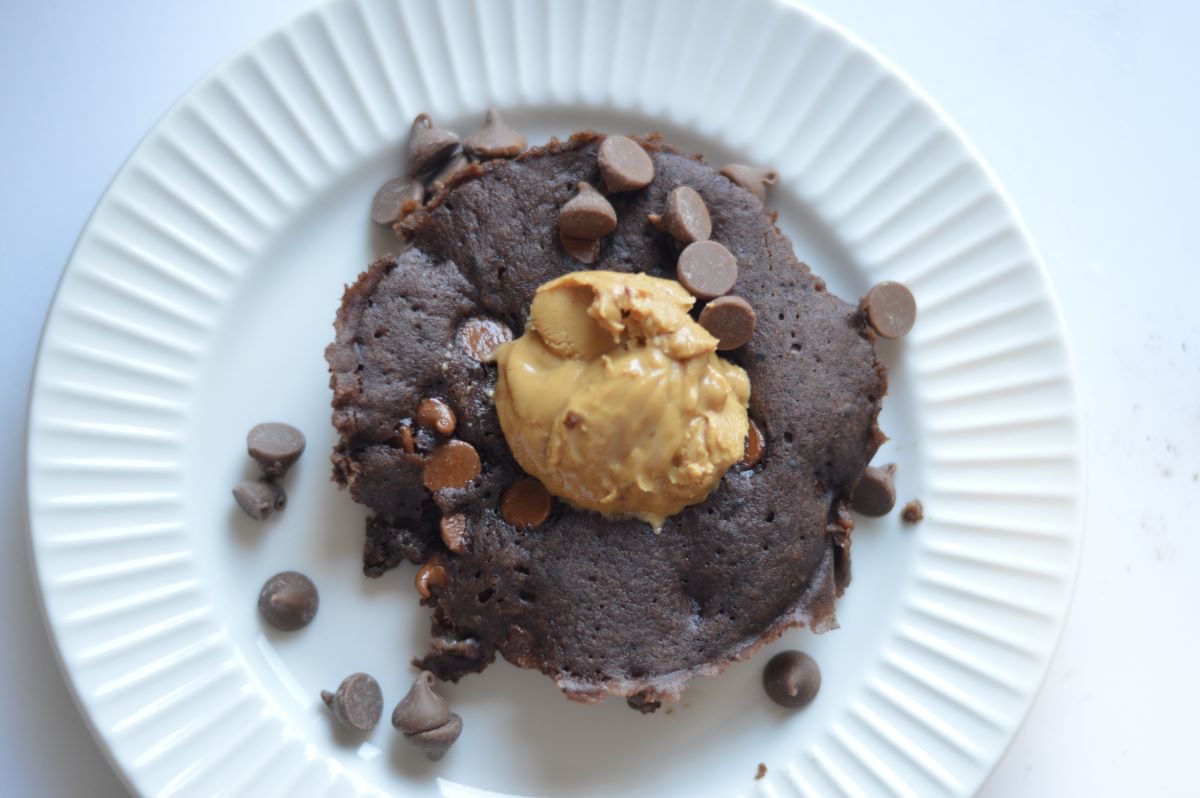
436	415
453	529
480	336
402	439
756	446
430	577
452	465
526	503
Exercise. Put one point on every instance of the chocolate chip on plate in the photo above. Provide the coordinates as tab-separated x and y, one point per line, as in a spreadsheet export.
452	465
792	679
756	445
259	498
707	269
422	708
275	446
913	512
479	337
395	199
453	529
624	165
436	742
495	139
587	215
685	217
428	147
288	601
584	250
358	702
875	493
431	576
891	309
754	179
730	319
526	503
436	415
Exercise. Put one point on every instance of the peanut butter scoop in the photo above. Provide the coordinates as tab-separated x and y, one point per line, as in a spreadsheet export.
616	399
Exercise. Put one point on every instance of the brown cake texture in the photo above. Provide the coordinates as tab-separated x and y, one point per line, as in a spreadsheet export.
601	605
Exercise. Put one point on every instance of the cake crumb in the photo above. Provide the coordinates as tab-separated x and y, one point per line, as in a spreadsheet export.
762	771
913	512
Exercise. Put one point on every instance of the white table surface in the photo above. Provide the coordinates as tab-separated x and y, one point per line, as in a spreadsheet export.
1088	110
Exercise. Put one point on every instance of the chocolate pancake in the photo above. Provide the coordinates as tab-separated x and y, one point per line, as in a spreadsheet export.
603	606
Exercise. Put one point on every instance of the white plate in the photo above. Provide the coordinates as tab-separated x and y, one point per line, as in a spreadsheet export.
201	294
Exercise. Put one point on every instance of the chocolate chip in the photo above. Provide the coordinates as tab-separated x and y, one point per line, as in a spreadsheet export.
259	498
686	216
275	447
402	438
624	165
395	199
431	576
587	215
288	601
526	503
707	269
756	446
436	415
792	679
452	465
875	493
453	166
436	742
480	336
422	708
495	139
428	147
358	702
754	179
453	529
730	319
891	309
584	250
913	512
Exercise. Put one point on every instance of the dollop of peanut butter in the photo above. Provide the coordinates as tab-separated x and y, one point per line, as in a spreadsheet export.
616	399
